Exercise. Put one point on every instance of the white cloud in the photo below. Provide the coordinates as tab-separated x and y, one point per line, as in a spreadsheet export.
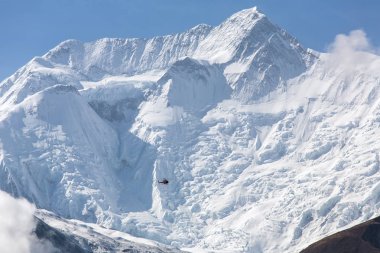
352	51
16	227
356	41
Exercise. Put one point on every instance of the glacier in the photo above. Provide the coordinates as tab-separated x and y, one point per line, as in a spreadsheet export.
267	145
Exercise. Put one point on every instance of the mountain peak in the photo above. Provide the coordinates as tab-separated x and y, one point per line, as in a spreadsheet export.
245	19
247	14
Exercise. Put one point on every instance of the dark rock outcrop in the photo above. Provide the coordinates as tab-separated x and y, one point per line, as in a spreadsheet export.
362	238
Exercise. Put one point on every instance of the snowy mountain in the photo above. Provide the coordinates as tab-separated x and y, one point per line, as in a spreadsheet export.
259	137
78	237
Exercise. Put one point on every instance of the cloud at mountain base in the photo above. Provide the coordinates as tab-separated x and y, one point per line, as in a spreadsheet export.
17	225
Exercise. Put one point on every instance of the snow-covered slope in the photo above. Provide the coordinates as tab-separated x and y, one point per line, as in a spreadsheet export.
267	146
54	145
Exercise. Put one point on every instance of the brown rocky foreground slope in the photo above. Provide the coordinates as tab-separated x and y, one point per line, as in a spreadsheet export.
363	238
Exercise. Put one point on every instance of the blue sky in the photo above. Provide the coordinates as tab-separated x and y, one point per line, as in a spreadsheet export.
31	27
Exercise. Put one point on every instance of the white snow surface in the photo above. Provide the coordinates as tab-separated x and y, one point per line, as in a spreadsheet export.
267	146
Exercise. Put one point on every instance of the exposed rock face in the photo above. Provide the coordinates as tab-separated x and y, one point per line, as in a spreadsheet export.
65	236
362	238
61	242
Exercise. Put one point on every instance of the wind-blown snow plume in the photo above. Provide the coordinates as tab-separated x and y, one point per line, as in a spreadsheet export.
349	51
17	225
357	40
